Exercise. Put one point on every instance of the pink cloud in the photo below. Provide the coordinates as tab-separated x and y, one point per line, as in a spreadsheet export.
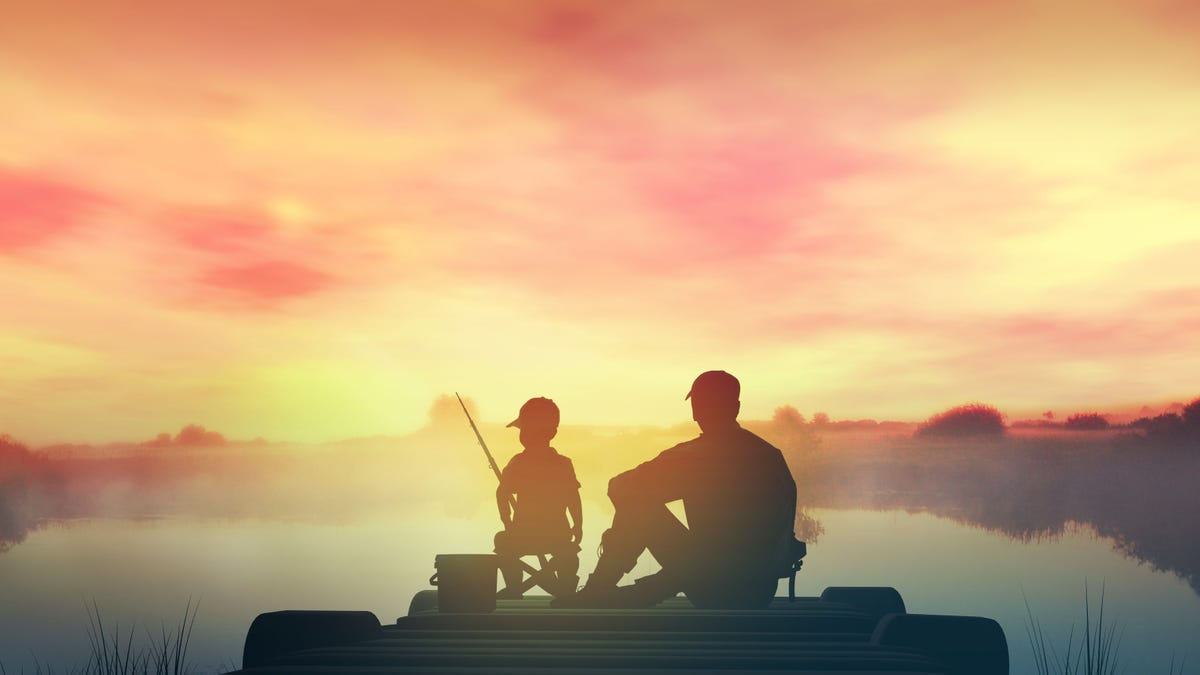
35	208
722	163
1175	17
244	258
266	281
740	195
1154	325
225	231
621	45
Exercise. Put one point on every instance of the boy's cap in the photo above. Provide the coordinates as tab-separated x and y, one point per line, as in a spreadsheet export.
537	411
717	384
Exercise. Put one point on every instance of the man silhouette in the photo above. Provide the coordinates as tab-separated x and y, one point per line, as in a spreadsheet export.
740	501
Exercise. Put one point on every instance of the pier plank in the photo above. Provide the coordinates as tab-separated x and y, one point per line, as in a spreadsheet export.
810	635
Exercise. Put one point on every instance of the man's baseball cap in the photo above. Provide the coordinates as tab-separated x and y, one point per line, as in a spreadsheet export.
538	411
716	383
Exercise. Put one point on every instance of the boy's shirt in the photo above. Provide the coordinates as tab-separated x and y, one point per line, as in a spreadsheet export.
543	482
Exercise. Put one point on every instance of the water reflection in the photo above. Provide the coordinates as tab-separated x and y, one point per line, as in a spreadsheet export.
1144	500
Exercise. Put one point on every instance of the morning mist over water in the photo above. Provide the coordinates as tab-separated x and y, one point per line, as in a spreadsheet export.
960	524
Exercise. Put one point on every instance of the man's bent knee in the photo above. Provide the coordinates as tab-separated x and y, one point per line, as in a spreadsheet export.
501	542
566	563
621	491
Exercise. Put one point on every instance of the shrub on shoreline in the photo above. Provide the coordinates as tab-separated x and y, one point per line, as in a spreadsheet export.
974	420
1086	422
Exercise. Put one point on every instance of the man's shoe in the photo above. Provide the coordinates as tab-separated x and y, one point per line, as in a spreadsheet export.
590	597
567	585
611	597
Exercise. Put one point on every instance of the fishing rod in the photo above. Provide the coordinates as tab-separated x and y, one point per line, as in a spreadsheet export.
478	436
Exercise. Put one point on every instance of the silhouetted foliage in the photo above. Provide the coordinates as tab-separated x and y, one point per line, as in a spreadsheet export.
1191	415
1036	424
787	429
196	435
447	413
1171	429
1168	428
854	425
162	440
974	420
788	416
11	451
1158	423
1086	422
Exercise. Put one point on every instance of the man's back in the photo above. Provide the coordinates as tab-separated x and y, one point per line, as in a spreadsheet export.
736	488
741	496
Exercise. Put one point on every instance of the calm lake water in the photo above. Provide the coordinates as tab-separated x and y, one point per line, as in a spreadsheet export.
143	572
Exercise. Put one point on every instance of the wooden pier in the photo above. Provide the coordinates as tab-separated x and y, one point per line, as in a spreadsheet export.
846	631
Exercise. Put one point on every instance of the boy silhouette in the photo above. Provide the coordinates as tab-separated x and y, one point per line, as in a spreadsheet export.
546	491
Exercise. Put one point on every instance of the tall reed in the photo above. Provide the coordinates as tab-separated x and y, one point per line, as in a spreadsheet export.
1096	652
114	653
164	654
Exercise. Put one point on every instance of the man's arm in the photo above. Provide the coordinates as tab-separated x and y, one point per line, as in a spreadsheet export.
787	491
658	481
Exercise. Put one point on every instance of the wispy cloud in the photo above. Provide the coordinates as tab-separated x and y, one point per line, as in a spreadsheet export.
37	206
266	281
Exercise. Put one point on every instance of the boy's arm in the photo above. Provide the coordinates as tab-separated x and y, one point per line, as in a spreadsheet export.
575	509
504	504
504	495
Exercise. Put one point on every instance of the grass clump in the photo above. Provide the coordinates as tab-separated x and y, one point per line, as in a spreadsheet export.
163	654
115	653
1095	652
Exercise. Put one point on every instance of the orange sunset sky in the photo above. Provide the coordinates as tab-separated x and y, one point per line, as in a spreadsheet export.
306	220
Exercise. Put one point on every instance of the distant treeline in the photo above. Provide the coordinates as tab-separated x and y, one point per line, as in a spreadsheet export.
1138	484
60	482
975	420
